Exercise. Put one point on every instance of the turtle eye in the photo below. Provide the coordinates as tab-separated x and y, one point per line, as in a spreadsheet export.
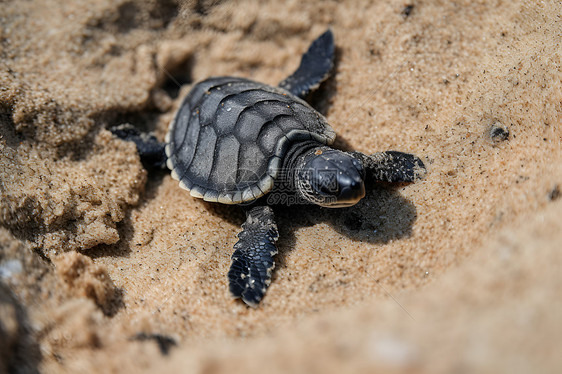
359	166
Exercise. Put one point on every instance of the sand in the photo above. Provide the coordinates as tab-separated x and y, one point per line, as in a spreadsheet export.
106	267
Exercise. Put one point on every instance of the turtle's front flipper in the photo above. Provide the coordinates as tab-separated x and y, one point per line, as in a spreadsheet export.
315	67
151	151
392	166
252	261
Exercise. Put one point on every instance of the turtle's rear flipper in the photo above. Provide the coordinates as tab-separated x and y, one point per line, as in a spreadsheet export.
315	67
151	151
252	261
392	166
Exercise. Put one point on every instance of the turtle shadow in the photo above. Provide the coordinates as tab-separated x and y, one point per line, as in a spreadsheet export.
382	216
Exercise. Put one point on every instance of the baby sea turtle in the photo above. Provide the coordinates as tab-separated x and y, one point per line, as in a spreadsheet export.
234	140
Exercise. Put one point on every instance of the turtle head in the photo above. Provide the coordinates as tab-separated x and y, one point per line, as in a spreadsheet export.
331	178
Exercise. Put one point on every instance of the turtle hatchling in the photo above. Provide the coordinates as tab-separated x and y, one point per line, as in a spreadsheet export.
237	141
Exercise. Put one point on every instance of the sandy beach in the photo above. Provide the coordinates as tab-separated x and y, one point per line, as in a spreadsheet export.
108	267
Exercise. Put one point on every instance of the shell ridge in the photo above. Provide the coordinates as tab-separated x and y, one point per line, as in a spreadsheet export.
249	107
215	158
236	174
184	134
274	119
252	106
187	166
229	96
237	81
277	99
214	120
